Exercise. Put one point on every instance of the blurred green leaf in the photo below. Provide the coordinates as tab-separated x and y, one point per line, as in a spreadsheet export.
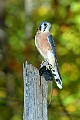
18	46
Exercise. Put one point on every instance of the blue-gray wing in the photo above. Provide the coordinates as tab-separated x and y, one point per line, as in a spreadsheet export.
52	44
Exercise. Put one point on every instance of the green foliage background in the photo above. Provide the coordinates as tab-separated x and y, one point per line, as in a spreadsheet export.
18	24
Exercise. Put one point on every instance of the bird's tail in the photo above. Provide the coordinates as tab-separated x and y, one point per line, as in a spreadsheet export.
57	76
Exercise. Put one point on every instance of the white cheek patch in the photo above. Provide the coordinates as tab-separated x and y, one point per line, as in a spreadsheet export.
43	29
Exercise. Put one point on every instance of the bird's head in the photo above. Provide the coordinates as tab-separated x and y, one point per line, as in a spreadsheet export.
44	26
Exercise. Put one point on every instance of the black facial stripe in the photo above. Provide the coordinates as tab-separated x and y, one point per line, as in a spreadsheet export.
45	26
40	27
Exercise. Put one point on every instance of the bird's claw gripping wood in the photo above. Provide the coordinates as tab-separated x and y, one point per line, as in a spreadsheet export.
45	72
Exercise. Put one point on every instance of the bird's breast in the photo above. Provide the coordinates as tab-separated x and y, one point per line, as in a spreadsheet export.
42	44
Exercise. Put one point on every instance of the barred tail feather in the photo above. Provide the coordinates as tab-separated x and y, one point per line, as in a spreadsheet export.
57	77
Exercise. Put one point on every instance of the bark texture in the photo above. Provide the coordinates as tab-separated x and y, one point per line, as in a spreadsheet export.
35	96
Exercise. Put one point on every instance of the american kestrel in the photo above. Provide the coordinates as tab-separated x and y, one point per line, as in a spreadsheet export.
45	45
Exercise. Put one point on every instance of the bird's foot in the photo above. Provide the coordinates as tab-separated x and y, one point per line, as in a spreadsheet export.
45	71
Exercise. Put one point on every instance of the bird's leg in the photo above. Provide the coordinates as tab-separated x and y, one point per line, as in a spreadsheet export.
42	69
45	71
44	63
41	72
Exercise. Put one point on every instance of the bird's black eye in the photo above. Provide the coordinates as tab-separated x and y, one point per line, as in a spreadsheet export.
45	24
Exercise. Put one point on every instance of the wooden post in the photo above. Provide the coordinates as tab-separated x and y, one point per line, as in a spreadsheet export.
35	96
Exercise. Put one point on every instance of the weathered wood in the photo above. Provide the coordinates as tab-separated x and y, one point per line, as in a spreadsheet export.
35	96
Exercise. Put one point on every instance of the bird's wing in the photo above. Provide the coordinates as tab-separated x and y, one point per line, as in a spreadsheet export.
52	53
51	58
52	44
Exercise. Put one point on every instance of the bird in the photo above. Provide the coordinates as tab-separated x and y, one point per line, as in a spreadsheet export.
45	45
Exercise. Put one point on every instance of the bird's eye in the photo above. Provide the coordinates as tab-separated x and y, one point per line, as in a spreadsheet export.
45	24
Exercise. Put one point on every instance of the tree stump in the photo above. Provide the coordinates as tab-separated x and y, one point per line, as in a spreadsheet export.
35	96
